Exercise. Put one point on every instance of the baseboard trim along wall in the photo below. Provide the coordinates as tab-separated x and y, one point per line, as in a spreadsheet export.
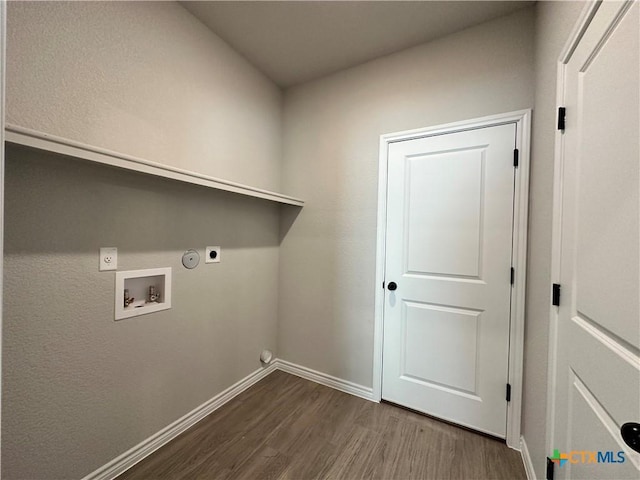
526	459
128	459
324	379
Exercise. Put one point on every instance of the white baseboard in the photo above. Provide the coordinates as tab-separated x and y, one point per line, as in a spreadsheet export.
526	459
324	379
128	459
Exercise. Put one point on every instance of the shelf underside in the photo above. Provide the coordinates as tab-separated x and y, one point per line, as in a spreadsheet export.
43	141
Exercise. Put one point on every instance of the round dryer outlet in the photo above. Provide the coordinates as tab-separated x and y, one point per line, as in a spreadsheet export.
190	259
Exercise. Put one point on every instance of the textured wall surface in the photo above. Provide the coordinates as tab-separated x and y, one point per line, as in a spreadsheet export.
146	79
554	21
80	388
332	128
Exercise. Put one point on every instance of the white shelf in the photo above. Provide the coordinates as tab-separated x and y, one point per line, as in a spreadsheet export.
50	143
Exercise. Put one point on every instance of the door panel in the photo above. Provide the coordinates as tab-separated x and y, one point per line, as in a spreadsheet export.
448	248
443	242
448	359
591	425
607	236
598	363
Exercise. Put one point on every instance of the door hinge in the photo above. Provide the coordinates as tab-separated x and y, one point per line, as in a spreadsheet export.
550	469
383	285
516	157
555	300
508	392
562	117
513	275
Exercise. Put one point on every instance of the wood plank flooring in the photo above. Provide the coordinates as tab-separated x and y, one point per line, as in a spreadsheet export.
285	427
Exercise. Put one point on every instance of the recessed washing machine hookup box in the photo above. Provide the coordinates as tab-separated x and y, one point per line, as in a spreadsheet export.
142	291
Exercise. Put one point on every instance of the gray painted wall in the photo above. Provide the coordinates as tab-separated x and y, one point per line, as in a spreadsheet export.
332	128
554	21
145	79
80	388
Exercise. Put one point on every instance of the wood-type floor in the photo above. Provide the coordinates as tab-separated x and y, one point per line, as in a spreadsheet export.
285	427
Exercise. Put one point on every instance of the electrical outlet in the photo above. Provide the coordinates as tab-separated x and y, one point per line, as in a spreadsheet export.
108	259
212	255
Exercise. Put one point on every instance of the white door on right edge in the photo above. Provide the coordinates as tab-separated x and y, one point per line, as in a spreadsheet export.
598	345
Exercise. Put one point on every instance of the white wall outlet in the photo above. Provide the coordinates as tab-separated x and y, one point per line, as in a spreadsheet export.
108	259
212	255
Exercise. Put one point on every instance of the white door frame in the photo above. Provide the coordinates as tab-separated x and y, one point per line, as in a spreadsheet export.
587	14
522	119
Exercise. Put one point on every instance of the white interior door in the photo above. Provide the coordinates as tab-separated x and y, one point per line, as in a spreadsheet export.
448	253
598	342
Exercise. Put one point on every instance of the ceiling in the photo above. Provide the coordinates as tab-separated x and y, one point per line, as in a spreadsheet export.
296	41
